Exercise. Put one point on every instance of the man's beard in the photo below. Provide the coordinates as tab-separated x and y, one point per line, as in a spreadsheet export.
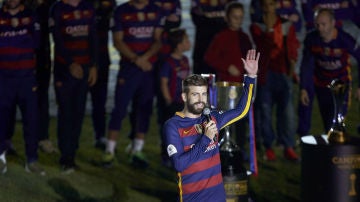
191	108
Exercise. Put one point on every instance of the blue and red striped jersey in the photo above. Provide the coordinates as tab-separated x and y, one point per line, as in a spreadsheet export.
195	157
138	25
19	37
176	71
324	62
74	33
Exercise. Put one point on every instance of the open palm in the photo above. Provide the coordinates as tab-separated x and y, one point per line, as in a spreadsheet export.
251	63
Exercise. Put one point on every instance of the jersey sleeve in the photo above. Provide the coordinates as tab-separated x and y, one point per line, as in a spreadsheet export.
180	158
242	108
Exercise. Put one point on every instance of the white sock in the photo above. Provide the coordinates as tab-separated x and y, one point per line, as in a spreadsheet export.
110	146
2	157
138	144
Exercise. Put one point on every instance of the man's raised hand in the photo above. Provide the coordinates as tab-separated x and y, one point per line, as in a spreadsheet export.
251	63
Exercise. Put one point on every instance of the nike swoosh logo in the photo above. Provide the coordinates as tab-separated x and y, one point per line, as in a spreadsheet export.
187	131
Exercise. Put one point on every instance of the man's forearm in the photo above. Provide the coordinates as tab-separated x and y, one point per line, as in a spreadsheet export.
124	49
154	48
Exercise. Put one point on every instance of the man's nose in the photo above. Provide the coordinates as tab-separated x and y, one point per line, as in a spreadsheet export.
203	98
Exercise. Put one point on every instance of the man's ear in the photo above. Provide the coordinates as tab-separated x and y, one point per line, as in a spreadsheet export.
183	96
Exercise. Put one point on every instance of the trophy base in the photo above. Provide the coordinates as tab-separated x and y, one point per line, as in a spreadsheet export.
330	172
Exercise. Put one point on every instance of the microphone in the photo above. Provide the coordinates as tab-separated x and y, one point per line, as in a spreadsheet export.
206	113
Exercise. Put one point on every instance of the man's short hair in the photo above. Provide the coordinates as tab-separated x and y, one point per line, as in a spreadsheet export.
328	11
175	37
193	80
233	5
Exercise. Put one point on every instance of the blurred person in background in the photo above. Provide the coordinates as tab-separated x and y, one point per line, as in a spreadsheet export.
209	18
171	11
137	30
326	57
276	39
73	28
98	92
19	38
343	10
287	9
43	74
224	56
173	71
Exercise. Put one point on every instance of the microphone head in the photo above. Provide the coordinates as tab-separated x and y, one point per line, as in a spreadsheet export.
206	111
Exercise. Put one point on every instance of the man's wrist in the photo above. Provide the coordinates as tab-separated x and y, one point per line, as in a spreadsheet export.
251	75
133	60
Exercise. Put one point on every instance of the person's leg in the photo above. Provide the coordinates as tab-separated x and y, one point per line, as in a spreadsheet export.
28	104
43	80
98	99
285	117
7	103
143	108
127	82
78	109
267	103
326	106
11	130
63	90
305	114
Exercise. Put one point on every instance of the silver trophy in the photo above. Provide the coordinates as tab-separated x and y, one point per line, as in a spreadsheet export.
337	133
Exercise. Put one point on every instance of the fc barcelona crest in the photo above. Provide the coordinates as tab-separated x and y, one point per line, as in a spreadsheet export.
77	14
25	21
151	16
141	16
14	22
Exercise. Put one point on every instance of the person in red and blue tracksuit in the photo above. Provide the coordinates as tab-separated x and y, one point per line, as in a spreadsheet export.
137	29
72	24
287	9
104	11
19	37
276	40
326	57
192	138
